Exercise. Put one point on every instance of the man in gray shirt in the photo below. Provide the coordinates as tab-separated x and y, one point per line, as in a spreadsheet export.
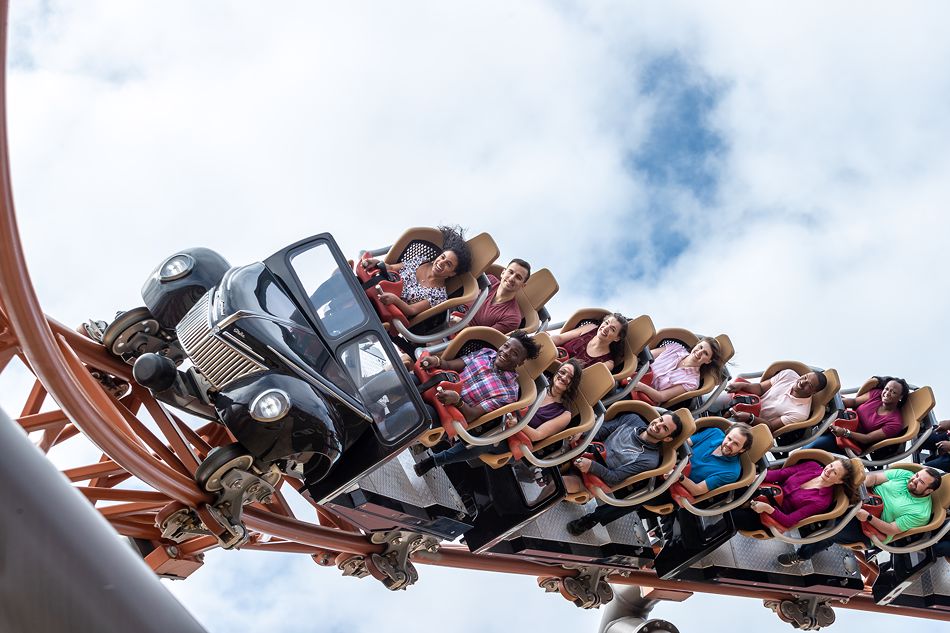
631	446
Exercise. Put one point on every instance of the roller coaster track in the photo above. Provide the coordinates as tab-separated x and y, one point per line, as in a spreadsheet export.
62	360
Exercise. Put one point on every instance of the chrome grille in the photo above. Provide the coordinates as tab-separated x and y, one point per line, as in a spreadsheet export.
217	361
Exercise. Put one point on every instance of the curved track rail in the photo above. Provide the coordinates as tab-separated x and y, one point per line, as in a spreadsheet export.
61	361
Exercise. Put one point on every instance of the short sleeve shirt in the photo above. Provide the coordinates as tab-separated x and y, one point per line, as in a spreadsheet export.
715	470
778	403
413	291
504	317
666	374
484	386
900	506
892	422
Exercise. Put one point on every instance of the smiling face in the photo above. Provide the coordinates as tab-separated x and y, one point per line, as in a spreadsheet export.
807	385
892	393
609	329
514	277
733	443
510	355
662	427
564	376
445	264
833	473
920	485
701	353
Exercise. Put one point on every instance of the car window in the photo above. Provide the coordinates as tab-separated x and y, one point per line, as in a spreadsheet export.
384	395
332	298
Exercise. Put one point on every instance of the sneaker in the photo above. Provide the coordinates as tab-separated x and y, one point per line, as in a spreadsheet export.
581	525
790	560
424	466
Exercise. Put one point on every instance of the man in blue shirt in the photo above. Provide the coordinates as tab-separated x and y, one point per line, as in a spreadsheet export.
714	463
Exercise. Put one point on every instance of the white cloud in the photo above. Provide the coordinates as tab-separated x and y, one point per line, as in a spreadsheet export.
138	128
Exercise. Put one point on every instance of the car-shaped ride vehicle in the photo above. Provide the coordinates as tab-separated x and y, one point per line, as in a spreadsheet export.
287	353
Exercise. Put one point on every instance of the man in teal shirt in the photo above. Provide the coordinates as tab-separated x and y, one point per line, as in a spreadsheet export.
907	505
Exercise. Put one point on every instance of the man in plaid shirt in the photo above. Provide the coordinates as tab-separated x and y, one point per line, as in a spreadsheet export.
489	377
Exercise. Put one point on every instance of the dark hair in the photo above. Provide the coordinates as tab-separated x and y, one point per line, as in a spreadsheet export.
677	424
570	394
905	388
822	380
715	359
938	479
851	490
453	240
527	341
523	264
616	347
745	430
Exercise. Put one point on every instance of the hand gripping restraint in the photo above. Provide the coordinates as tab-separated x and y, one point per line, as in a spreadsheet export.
848	419
431	381
377	280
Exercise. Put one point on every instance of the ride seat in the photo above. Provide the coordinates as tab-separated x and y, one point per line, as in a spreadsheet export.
427	242
596	381
639	332
840	502
528	373
819	401
539	289
761	444
709	377
668	450
919	404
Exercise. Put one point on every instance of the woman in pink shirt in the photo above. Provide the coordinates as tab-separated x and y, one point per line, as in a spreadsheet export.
676	370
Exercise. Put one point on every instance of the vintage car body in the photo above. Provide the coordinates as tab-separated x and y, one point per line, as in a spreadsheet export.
287	353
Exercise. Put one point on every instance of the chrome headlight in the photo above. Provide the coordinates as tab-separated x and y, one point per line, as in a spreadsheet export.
270	405
176	267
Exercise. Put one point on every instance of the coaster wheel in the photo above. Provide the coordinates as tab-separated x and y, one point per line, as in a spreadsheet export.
118	335
219	461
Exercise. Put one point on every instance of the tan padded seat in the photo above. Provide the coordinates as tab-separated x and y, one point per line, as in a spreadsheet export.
761	444
596	381
639	331
527	374
462	289
667	449
840	502
818	402
918	405
541	287
709	376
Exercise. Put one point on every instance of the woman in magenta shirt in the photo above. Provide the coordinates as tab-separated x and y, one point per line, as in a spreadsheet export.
879	416
808	488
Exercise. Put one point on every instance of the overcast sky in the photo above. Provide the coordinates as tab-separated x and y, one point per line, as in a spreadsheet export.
777	172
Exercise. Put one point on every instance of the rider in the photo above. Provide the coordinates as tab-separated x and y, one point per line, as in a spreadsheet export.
501	310
785	398
714	462
907	504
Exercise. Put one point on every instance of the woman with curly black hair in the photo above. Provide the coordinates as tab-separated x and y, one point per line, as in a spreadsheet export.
879	415
424	279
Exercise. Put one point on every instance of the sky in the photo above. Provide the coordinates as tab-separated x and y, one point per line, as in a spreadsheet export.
774	171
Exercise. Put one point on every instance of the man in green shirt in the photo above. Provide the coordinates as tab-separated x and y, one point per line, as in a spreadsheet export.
907	505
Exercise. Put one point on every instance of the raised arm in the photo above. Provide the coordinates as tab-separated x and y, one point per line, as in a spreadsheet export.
549	428
563	337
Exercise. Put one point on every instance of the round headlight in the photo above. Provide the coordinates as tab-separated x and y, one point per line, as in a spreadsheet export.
176	267
270	405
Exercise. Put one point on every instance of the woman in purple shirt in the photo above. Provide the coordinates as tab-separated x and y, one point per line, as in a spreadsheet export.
879	416
808	488
591	343
552	417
